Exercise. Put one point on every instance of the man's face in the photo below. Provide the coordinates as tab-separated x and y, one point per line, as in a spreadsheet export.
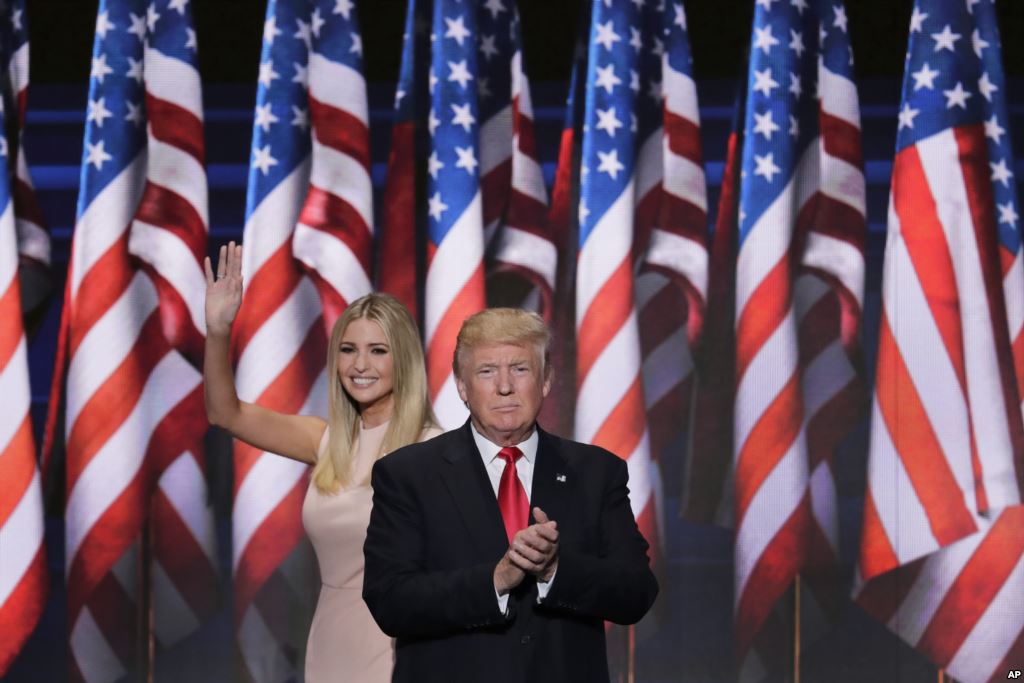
503	386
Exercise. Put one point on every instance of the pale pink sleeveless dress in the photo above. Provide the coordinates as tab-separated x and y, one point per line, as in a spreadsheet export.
345	644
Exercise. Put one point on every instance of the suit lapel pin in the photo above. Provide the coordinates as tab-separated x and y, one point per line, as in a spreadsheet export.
560	477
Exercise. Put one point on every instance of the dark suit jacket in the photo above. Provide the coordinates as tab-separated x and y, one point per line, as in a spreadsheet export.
436	535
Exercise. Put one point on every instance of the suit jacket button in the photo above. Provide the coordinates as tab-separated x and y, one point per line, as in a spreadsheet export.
525	640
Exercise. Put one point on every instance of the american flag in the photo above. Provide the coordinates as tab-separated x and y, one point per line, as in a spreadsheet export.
399	271
942	548
23	578
33	239
623	109
134	415
519	246
334	236
795	170
671	224
455	272
281	346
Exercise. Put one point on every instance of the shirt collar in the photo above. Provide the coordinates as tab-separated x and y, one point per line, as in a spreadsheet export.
489	450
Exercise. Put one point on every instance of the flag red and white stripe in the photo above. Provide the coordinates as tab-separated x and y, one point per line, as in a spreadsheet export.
280	345
334	235
134	404
23	576
514	197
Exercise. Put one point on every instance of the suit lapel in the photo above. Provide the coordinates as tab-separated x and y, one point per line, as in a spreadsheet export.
552	480
467	481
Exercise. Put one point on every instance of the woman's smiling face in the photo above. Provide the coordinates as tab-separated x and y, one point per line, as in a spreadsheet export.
366	366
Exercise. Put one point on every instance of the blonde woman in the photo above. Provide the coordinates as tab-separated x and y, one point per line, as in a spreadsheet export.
377	403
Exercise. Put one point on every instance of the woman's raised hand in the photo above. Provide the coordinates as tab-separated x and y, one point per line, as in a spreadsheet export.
223	292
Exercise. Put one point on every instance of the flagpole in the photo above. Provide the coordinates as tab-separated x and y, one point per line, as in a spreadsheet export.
631	654
796	630
145	614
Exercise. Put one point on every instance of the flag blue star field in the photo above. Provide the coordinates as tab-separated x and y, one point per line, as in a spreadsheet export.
455	277
128	323
281	347
32	235
943	540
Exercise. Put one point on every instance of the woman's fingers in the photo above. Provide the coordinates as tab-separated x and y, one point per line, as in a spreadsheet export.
208	268
237	271
222	262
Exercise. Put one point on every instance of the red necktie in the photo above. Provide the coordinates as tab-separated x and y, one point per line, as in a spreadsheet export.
515	509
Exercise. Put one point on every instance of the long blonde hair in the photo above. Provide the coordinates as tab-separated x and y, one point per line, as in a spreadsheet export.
411	413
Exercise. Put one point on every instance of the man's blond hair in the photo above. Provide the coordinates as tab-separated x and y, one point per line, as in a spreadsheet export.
503	326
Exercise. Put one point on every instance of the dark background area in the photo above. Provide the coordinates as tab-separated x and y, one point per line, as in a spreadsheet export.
230	34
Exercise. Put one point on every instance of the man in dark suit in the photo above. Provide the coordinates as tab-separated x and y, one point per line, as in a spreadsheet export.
496	551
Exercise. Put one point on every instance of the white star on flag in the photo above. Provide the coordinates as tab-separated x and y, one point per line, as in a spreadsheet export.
97	156
178	6
134	113
957	97
1007	214
190	39
986	86
906	116
945	40
267	73
680	18
606	35
487	47
764	39
606	78
456	29
993	129
103	24
138	27
840	20
634	38
262	159
265	117
152	17
301	74
494	7
459	73
344	8
978	43
607	121
134	70
917	20
764	124
316	22
925	77
766	166
433	122
100	68
583	213
270	30
463	116
764	83
436	206
1001	173
796	42
800	6
467	160
357	44
98	112
610	163
794	85
300	117
434	165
